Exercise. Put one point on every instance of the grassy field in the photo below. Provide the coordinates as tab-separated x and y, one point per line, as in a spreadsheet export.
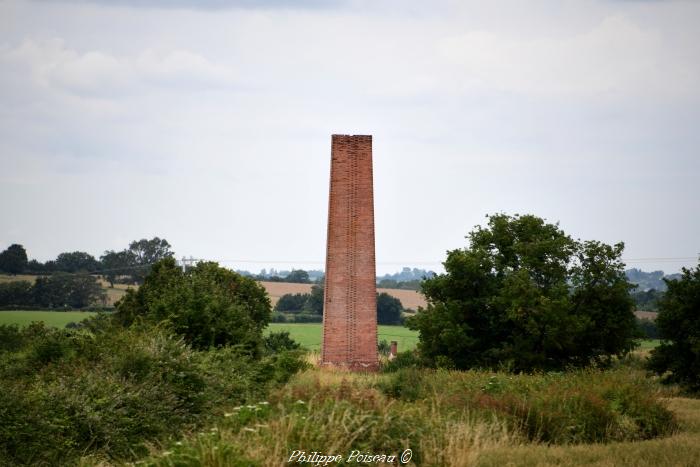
309	334
52	318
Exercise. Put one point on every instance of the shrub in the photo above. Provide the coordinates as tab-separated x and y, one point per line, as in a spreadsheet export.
407	359
207	305
65	394
278	341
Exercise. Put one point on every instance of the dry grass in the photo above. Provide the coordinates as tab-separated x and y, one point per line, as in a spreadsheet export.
18	277
646	314
409	298
680	449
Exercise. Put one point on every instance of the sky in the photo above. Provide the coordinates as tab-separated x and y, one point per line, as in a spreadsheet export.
209	123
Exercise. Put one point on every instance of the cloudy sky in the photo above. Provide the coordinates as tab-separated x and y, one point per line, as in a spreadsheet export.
208	123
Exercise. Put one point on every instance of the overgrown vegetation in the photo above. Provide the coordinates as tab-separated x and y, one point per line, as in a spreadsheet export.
209	306
111	391
446	418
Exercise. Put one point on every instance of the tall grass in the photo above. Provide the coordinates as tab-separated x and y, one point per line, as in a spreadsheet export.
447	418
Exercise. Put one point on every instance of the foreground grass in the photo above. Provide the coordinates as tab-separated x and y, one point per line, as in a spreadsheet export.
57	319
309	334
680	449
452	419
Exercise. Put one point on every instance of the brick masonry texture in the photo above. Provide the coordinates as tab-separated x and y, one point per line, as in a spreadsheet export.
350	308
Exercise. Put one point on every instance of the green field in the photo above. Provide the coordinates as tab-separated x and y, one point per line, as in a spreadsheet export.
52	318
309	334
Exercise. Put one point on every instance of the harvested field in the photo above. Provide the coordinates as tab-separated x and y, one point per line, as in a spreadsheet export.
646	314
409	298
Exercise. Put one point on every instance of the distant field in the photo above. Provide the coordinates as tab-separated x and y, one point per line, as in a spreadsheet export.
648	344
409	298
57	319
309	334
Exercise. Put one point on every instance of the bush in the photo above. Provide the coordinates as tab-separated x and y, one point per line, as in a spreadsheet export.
407	359
678	322
526	296
207	305
279	341
112	393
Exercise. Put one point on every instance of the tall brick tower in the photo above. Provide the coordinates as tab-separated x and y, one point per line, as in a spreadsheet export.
350	307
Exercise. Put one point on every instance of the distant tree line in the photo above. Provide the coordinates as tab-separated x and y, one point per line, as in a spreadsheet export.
130	265
308	307
646	281
647	300
57	291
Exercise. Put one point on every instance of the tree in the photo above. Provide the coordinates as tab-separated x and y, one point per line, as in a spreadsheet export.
14	259
298	276
678	323
314	303
526	296
147	252
647	300
292	302
62	290
388	309
16	293
116	263
76	261
209	306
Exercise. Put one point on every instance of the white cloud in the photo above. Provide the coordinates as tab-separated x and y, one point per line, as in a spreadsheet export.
616	57
52	64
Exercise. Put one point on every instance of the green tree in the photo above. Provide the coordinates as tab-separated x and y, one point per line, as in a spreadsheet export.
208	305
526	295
314	303
298	276
16	293
14	259
146	253
647	300
292	302
117	263
61	290
678	323
76	261
388	309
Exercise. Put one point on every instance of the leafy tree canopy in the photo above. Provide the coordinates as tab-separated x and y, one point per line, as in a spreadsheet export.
388	309
526	296
76	261
299	276
208	305
14	259
678	323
